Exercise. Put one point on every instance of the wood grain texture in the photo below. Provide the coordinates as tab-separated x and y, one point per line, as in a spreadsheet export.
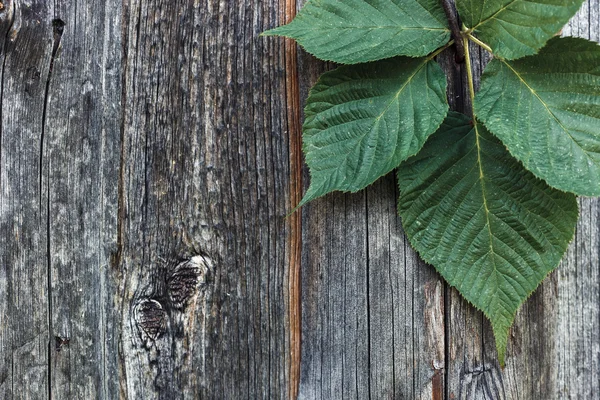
27	41
205	178
349	248
145	175
294	124
148	157
81	158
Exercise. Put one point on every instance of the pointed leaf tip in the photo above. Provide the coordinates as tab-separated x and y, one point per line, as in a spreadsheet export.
487	225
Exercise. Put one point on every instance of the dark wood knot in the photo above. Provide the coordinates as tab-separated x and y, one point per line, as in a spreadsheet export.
151	319
60	342
186	279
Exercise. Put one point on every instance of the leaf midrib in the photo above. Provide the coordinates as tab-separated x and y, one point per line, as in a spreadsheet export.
377	118
328	28
484	196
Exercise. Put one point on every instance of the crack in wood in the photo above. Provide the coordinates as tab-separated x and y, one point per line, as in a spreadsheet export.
57	30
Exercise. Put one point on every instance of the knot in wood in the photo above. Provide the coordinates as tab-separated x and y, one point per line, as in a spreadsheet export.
151	319
186	279
60	342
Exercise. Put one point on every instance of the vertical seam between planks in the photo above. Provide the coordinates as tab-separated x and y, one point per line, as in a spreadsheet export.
368	292
121	206
292	92
57	30
446	340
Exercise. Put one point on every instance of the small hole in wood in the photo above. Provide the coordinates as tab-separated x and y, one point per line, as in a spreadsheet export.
60	342
58	26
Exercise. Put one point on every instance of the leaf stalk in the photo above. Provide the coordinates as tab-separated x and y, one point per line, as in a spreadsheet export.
465	41
479	42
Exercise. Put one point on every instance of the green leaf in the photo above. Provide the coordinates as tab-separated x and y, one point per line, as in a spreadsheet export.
491	228
356	31
546	110
361	121
516	28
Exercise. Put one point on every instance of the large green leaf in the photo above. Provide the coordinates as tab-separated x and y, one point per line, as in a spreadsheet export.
361	121
356	31
546	110
516	28
491	228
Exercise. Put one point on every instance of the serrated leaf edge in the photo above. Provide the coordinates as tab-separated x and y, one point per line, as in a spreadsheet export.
426	60
501	352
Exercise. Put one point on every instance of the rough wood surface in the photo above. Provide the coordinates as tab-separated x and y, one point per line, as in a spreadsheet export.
204	191
80	175
148	157
372	312
368	301
145	177
27	44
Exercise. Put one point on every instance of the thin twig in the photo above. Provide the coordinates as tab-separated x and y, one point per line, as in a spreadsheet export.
452	15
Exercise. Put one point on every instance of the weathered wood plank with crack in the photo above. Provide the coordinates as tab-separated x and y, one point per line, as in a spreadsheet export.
373	327
144	182
149	153
26	55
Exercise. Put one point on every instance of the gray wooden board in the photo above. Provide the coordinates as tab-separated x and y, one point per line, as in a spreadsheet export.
145	180
205	176
24	296
355	270
144	253
81	158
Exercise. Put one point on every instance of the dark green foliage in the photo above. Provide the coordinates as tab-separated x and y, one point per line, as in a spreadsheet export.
493	226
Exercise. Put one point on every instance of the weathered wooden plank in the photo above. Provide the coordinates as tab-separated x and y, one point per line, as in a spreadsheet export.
202	270
26	47
148	143
351	273
372	312
554	346
81	160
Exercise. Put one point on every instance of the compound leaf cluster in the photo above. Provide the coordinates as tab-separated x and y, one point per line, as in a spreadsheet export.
488	199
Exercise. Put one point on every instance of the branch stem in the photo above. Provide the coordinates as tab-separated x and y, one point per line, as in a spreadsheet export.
452	15
469	73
